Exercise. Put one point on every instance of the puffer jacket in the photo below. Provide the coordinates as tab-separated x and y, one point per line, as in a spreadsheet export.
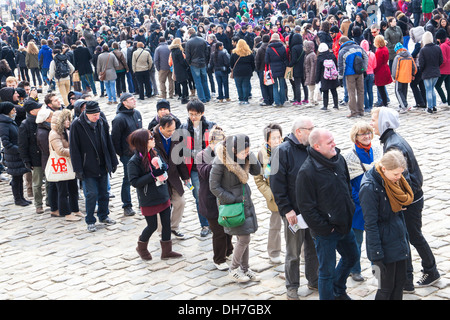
9	134
263	182
393	35
59	136
386	237
227	180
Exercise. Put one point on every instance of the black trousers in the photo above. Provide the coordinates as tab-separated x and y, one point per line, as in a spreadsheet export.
17	187
382	92
392	281
67	196
143	81
221	241
335	97
121	83
152	225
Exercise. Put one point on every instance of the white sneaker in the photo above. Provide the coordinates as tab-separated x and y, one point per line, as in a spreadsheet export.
252	275
275	260
238	276
222	266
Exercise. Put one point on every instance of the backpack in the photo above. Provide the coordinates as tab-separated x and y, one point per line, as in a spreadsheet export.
330	72
62	69
358	65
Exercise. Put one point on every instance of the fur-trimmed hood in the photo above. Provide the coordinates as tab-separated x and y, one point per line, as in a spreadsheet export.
58	119
241	171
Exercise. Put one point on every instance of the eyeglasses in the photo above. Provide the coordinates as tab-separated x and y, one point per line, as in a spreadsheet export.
309	129
195	115
364	134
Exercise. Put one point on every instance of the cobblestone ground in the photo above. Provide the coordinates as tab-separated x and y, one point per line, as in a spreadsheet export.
51	259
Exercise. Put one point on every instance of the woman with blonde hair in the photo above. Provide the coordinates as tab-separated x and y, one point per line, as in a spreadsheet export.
384	195
242	63
360	159
32	62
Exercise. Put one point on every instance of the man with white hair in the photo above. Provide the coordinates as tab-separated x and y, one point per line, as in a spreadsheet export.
324	198
286	161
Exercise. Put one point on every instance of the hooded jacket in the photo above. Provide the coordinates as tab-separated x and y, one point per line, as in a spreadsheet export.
28	148
45	55
9	134
276	57
59	136
297	55
430	67
403	68
125	122
347	53
227	180
310	63
370	55
445	48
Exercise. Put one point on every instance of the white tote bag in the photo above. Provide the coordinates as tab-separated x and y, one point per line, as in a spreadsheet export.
58	168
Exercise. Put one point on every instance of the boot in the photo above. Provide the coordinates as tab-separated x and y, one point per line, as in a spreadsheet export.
142	250
192	92
166	250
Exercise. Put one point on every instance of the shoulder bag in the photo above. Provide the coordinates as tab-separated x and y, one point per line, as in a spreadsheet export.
102	74
231	73
232	215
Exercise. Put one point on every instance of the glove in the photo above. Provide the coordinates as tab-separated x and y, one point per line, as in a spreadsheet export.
380	266
79	175
28	166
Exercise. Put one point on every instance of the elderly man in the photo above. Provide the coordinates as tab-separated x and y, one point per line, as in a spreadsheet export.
286	161
324	197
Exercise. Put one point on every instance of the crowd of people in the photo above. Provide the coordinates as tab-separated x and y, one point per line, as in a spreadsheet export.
326	201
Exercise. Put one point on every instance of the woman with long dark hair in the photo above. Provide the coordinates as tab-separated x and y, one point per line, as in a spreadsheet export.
148	173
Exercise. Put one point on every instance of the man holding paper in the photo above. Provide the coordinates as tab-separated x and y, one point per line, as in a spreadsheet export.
286	161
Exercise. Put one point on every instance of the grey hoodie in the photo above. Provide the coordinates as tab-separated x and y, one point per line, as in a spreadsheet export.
387	119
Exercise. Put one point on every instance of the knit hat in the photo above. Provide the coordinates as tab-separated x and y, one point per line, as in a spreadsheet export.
441	35
162	103
92	107
323	47
398	46
30	105
125	96
6	107
275	37
6	94
42	115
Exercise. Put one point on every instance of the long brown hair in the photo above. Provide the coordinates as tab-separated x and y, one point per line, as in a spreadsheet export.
138	141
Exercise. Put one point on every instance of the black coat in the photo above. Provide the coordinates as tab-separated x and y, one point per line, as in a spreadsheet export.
386	236
244	67
9	133
180	65
28	148
325	84
155	122
82	60
324	37
196	51
88	158
324	194
124	123
207	202
430	67
43	130
286	161
277	60
297	55
149	194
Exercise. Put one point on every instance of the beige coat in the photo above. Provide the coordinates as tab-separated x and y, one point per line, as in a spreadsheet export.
56	137
141	60
262	183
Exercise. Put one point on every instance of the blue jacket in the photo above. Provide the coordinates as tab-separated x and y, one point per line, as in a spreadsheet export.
46	53
386	236
347	53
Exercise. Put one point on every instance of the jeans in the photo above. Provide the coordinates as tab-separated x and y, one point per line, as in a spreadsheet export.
279	91
125	192
392	281
444	78
96	190
417	17
344	82
44	72
222	85
332	278
88	79
201	83
429	88
130	82
368	91
243	87
359	236
379	98
196	183
110	86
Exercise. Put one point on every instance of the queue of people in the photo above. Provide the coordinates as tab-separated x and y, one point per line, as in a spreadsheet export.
326	201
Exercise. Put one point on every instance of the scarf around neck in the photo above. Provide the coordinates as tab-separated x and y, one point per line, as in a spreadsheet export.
400	194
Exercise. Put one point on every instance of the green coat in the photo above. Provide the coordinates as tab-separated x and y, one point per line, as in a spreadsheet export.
427	6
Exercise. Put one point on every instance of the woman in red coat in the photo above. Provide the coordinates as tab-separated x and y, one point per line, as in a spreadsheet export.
382	71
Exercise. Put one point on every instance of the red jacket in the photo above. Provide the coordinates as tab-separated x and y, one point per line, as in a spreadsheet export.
382	72
336	45
445	48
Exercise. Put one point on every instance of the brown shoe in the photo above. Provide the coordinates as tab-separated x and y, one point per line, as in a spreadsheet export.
39	210
143	251
55	214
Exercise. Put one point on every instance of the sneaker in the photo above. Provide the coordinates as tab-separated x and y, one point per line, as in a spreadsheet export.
205	231
343	103
128	211
222	266
428	279
91	227
292	294
434	109
402	110
429	110
305	101
408	288
238	276
252	275
178	235
108	221
275	260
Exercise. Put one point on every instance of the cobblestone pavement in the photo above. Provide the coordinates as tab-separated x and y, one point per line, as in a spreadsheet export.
51	259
